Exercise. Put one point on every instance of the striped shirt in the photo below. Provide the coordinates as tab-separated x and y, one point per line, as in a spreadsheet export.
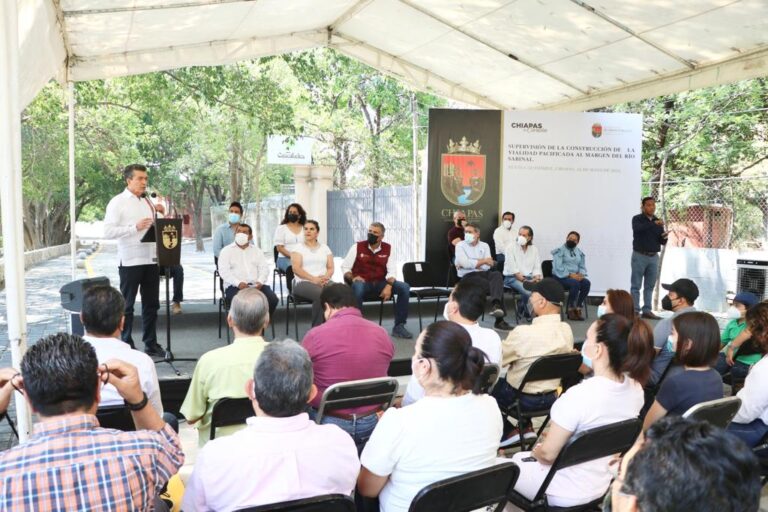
71	464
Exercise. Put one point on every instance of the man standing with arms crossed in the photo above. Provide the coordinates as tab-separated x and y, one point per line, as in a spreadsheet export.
648	236
129	215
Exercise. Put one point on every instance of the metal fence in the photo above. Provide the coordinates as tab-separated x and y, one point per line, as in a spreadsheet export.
721	213
350	212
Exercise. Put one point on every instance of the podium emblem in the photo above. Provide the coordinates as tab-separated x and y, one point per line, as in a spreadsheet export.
170	237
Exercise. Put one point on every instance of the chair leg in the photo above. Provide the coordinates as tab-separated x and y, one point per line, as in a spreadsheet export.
381	311
219	320
273	329
296	321
280	276
214	291
287	315
418	308
228	340
437	308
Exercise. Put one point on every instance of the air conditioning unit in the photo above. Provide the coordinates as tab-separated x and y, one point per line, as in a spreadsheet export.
752	276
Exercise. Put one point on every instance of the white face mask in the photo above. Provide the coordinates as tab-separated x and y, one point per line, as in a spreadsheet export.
507	224
241	239
521	240
733	313
445	312
469	237
601	310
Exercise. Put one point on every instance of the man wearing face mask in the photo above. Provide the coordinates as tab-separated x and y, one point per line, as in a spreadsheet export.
682	294
502	236
648	236
225	234
369	270
243	265
522	265
745	354
456	233
464	307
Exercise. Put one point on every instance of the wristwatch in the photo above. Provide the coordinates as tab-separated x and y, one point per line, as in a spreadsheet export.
138	406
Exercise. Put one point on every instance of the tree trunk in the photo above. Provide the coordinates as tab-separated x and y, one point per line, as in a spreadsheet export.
661	156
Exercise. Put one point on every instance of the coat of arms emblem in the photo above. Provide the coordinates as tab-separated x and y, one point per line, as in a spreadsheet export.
462	172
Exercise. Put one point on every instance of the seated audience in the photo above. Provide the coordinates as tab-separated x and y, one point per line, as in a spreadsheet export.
289	234
370	271
569	268
619	351
682	294
281	454
502	236
456	232
683	464
695	340
69	462
474	262
225	234
736	358
312	264
223	372
465	306
547	335
751	422
347	347
243	265
619	302
522	265
449	432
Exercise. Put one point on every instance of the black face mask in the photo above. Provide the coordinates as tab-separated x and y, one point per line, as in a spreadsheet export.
570	244
292	217
372	239
666	303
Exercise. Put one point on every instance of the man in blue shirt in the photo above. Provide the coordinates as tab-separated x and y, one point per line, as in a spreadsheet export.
225	234
648	236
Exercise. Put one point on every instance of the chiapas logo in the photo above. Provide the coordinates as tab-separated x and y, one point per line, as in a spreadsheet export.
462	172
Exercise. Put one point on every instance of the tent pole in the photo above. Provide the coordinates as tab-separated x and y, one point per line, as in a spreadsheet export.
415	157
11	199
72	218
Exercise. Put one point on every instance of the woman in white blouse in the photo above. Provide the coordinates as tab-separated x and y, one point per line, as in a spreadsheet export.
451	431
312	269
289	234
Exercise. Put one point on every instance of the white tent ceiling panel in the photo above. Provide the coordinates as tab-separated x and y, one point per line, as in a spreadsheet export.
529	90
642	16
460	12
276	17
41	48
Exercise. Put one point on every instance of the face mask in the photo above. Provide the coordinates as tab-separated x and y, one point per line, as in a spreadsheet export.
469	237
601	310
521	240
733	313
234	218
585	358
445	312
507	224
570	244
463	222
666	303
670	346
292	217
241	239
372	239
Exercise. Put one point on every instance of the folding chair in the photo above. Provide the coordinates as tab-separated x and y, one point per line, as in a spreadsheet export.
420	276
489	376
761	452
487	487
400	367
228	412
292	299
277	273
546	271
558	366
216	275
718	412
586	446
117	417
358	393
328	503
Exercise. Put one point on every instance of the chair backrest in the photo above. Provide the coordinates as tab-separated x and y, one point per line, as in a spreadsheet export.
718	412
546	268
274	253
419	274
475	490
551	367
594	444
328	503
488	377
230	411
117	417
400	367
289	278
358	393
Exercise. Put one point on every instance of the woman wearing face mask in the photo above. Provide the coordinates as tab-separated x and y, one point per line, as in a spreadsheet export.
407	450
313	268
522	264
695	340
746	354
619	352
619	302
289	234
568	267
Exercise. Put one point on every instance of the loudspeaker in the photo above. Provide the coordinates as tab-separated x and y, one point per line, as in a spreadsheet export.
72	293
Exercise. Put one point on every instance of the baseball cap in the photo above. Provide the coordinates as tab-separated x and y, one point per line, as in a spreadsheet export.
684	288
746	298
549	288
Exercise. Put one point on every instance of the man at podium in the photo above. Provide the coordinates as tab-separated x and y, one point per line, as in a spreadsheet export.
128	217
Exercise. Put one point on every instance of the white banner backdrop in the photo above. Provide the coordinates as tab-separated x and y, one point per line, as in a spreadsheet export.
576	172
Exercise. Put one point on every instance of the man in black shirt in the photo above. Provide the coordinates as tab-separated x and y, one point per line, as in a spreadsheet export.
648	236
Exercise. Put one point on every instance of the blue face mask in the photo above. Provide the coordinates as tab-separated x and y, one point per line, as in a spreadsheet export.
585	358
601	310
670	346
469	237
234	218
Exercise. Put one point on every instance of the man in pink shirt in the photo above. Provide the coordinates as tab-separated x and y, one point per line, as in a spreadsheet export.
281	455
347	347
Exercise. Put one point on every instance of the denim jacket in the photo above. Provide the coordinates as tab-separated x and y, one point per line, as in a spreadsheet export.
567	261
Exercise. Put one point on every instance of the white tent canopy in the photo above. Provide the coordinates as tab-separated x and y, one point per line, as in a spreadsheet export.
508	54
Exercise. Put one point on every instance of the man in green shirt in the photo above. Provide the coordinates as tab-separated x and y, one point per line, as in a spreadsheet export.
224	372
738	354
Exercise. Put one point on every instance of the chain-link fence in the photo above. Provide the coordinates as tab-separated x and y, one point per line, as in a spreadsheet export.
720	213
